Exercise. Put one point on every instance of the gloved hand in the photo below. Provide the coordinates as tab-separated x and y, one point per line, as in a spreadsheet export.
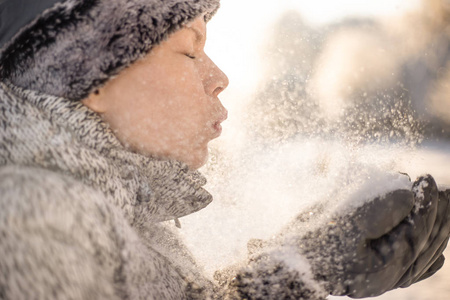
270	273
392	241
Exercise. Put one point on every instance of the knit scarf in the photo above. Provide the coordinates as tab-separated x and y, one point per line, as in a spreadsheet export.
38	130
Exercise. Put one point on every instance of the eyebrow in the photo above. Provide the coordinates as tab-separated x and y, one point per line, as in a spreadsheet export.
199	36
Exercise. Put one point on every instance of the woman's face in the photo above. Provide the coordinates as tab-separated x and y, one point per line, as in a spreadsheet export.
167	104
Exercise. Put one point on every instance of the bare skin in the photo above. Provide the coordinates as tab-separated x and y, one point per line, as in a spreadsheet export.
166	104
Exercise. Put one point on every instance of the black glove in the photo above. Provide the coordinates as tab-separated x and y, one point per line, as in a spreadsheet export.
269	274
392	241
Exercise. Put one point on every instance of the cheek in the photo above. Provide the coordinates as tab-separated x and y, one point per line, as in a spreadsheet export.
179	97
165	115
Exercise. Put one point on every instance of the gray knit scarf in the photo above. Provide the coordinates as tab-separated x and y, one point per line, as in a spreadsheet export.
57	134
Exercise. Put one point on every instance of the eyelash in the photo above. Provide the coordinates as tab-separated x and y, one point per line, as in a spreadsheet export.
190	56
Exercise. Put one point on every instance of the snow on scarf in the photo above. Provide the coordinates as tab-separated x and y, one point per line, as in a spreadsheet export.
65	136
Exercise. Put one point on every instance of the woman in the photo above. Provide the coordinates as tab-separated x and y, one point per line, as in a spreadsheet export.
107	108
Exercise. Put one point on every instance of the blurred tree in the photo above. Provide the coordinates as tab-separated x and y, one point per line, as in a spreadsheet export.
388	82
359	79
283	108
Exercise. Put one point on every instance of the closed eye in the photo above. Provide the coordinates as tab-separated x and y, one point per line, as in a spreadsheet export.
190	56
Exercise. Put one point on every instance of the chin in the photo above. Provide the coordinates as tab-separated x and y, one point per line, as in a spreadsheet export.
197	161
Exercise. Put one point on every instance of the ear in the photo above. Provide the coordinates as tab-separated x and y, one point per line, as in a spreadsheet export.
96	102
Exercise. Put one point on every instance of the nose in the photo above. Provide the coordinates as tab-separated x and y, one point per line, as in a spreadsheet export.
215	80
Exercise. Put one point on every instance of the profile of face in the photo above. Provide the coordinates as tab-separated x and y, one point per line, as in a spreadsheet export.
166	104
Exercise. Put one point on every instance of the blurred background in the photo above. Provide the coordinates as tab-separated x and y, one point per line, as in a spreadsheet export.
324	96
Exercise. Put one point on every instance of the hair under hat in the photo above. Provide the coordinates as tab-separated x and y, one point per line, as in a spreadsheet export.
72	47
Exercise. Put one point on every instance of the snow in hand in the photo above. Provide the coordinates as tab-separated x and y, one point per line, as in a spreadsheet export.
260	191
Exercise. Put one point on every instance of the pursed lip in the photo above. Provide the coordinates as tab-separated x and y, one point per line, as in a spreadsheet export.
217	130
217	127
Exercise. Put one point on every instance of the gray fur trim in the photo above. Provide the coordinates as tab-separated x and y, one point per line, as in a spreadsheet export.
77	45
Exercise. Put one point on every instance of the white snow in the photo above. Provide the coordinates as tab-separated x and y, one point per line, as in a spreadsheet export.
418	190
295	261
258	192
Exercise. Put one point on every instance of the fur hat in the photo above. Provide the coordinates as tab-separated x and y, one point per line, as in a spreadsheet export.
74	46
